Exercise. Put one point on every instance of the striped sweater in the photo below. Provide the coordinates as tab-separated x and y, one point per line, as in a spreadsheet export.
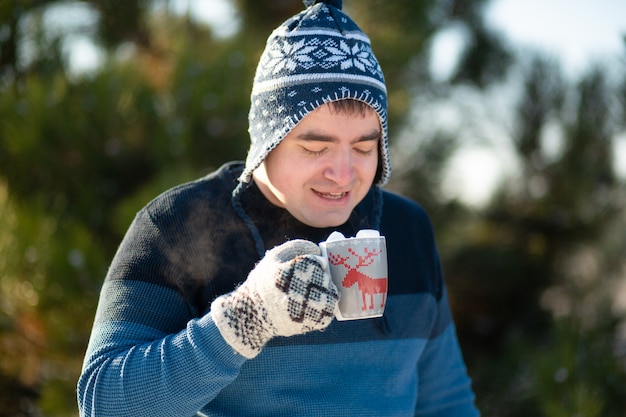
154	350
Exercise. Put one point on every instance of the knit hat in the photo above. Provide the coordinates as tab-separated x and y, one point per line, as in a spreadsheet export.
315	57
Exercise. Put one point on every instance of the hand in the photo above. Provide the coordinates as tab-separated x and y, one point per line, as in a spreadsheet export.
289	292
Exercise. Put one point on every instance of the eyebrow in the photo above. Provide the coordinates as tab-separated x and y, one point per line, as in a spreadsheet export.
375	135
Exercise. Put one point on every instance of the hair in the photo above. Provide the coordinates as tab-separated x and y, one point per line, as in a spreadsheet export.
350	107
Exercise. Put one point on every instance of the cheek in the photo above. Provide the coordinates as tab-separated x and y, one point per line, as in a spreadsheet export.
293	170
284	179
368	168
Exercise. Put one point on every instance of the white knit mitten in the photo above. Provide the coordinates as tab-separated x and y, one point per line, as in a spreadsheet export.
289	292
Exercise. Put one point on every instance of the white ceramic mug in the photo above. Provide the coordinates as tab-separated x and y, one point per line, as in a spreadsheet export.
358	267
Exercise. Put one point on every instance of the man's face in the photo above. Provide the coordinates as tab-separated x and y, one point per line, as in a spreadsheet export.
324	167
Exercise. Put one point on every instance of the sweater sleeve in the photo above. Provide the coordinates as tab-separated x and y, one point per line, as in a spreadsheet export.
148	354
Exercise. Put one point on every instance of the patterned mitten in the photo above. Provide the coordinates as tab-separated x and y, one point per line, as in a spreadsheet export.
289	292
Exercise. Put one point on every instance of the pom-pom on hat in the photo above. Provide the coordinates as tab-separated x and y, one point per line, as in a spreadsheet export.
315	57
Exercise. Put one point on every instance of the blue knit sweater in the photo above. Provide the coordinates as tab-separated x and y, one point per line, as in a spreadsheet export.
155	352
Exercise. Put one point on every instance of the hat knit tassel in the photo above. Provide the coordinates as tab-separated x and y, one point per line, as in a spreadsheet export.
335	3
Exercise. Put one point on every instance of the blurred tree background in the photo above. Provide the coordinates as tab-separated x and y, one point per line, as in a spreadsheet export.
532	274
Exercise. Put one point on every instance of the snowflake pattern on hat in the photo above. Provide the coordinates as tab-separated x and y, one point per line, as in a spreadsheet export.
327	54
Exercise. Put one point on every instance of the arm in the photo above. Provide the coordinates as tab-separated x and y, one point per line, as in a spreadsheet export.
149	352
149	355
133	369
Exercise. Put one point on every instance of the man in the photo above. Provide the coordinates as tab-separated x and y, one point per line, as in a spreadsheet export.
198	317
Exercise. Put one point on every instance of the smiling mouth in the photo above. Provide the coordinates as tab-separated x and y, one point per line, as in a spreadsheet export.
332	196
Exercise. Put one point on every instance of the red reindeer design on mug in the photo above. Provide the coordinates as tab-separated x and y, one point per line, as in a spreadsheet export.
367	285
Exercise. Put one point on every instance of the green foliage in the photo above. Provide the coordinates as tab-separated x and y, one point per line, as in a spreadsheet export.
420	176
573	371
262	16
494	289
209	102
49	278
77	158
111	143
399	31
577	373
542	248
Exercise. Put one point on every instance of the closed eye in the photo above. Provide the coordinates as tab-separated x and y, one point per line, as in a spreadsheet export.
314	152
365	152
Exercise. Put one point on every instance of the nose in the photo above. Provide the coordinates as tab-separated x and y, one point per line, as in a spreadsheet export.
340	169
